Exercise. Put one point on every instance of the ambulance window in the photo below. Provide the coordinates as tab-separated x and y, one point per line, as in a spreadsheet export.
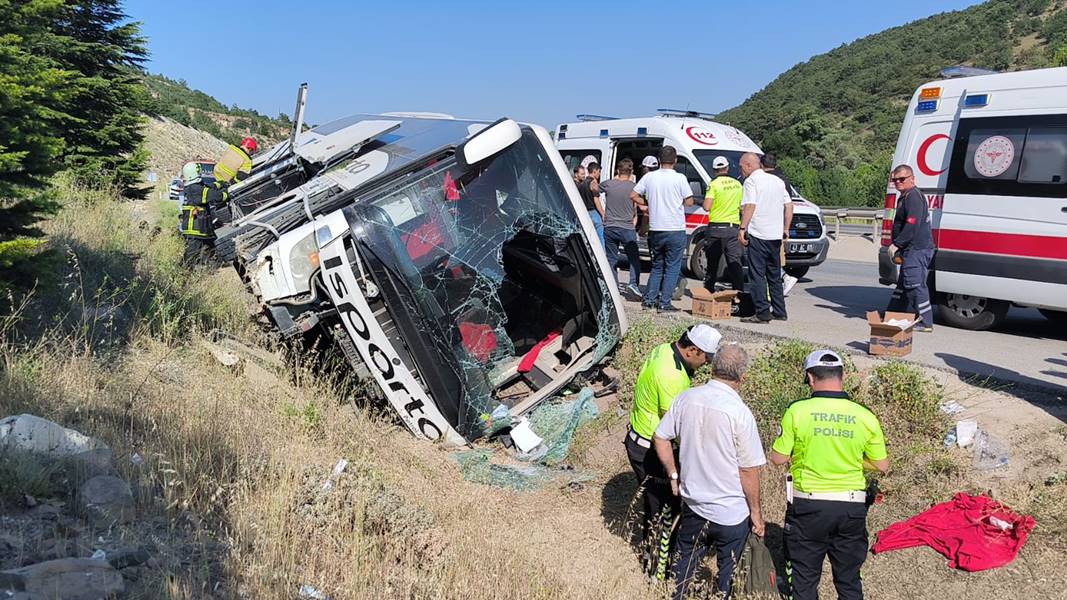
573	158
686	168
994	154
1045	156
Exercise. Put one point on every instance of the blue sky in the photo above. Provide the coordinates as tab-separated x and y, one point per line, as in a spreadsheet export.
541	62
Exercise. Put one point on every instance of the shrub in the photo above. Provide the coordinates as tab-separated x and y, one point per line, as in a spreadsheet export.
776	378
906	401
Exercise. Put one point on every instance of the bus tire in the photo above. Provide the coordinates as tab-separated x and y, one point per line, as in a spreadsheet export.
1056	316
971	312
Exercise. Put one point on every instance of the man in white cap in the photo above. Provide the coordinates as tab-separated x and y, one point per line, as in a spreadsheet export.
721	456
649	164
830	440
666	373
723	205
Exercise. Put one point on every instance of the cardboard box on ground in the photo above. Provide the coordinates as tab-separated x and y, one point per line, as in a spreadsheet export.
715	306
891	334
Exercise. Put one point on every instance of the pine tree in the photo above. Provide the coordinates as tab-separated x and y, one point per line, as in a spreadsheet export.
70	98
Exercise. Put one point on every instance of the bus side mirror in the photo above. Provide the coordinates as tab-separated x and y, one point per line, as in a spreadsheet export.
490	141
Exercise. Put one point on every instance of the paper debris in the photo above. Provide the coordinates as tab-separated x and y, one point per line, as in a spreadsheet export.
524	437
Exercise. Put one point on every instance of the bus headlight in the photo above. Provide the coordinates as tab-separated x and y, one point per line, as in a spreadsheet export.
304	260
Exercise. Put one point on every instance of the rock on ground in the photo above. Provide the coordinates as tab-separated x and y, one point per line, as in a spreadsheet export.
30	433
63	579
106	500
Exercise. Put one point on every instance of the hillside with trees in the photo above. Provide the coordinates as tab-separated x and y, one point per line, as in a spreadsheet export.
833	120
196	109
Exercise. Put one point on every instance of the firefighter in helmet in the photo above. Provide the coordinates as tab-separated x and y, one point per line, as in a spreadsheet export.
236	163
196	220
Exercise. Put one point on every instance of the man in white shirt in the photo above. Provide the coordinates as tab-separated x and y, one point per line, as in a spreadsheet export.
721	455
666	192
767	211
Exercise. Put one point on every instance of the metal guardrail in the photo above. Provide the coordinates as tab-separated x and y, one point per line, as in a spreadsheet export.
839	213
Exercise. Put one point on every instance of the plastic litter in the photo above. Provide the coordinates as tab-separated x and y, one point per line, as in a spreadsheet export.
965	432
989	452
99	555
950	438
337	470
952	408
497	420
306	591
136	460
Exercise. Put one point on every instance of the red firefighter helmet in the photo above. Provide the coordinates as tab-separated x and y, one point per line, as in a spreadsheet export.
249	144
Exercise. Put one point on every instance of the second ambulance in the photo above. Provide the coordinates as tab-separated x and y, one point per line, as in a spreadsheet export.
990	154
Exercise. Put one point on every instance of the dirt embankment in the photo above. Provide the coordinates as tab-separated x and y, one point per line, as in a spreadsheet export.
171	144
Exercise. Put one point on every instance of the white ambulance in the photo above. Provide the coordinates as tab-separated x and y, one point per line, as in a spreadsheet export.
990	154
698	140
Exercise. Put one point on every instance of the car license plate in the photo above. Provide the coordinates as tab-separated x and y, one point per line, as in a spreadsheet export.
800	248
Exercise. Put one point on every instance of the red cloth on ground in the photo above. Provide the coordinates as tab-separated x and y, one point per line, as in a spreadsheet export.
479	339
528	360
964	530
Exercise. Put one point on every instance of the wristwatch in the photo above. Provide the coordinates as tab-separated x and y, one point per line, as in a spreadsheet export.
674	476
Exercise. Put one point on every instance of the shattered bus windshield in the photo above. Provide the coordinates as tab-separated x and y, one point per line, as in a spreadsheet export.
497	271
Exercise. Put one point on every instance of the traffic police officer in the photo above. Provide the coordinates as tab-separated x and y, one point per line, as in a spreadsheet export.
196	220
830	440
723	205
665	374
915	242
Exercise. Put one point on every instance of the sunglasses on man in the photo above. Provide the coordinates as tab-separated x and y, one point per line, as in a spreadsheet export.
900	179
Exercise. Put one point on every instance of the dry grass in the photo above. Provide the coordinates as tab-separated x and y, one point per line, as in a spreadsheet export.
230	490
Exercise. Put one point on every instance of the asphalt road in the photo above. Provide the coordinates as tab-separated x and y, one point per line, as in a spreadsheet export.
829	306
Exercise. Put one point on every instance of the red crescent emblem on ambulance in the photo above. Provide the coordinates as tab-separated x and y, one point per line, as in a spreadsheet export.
923	149
701	135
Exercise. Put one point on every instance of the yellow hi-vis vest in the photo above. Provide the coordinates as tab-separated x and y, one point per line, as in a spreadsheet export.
725	192
235	165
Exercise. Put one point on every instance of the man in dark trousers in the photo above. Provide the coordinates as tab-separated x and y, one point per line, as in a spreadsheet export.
830	440
196	219
723	205
665	374
620	219
914	243
720	458
768	211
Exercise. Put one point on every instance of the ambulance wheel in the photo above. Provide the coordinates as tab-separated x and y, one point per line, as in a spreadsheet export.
797	272
1056	316
971	312
698	261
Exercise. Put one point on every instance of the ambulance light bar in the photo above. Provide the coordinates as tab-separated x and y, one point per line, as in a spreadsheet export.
975	100
930	93
926	106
